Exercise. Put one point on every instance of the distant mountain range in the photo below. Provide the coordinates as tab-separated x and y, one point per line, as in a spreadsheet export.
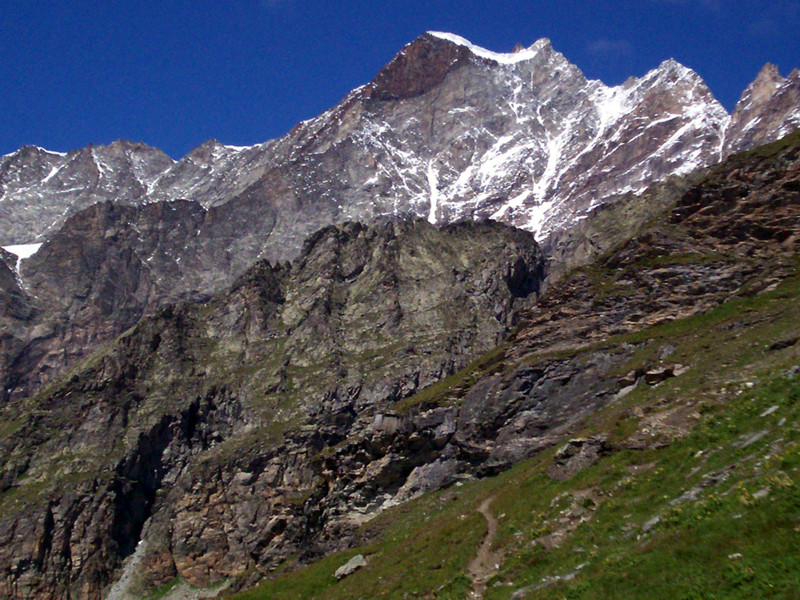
446	131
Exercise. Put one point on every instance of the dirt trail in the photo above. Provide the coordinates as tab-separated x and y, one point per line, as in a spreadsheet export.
486	562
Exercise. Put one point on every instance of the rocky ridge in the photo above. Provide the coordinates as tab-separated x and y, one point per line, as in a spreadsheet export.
445	131
40	188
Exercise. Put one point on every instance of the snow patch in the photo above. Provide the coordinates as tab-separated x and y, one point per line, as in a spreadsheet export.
51	174
22	252
105	170
612	105
46	151
508	58
433	182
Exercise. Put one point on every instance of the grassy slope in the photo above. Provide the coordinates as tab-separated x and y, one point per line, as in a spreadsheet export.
739	537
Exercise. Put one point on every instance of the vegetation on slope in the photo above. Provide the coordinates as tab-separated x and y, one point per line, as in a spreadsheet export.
708	507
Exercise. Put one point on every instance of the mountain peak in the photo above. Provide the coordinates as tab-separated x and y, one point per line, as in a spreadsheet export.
672	66
768	74
32	150
419	67
762	88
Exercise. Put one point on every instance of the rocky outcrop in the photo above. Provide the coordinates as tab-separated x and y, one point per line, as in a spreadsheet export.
768	109
267	375
578	454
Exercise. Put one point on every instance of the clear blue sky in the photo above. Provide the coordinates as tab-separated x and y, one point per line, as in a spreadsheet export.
176	73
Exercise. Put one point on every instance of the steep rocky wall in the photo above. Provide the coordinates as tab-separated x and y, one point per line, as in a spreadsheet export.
365	317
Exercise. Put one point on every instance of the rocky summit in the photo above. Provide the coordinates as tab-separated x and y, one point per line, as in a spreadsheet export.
483	304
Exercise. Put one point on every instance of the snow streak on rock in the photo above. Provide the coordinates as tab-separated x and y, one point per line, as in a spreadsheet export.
446	131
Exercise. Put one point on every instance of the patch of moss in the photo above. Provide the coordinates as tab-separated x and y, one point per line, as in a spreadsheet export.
450	390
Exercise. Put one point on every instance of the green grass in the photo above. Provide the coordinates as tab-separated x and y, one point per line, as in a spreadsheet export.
163	591
426	551
771	149
451	390
693	551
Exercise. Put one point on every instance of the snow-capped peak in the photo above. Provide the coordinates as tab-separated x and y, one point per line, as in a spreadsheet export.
506	58
521	137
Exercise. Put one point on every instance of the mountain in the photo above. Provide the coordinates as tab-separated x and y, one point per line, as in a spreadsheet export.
220	366
445	131
768	109
234	439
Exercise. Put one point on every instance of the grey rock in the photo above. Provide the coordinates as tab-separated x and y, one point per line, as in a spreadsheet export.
657	375
750	438
431	476
576	456
350	567
762	493
650	523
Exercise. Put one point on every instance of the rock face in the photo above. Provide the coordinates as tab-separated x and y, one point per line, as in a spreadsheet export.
446	131
111	264
17	317
365	317
40	189
768	109
269	421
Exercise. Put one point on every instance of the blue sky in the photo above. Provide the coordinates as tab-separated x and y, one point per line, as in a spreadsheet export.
174	74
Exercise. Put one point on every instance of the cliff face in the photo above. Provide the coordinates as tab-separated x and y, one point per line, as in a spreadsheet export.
283	364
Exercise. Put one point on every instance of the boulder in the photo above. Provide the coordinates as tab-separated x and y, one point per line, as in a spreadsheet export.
578	454
350	567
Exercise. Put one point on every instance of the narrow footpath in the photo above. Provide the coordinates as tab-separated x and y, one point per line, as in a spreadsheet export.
486	563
